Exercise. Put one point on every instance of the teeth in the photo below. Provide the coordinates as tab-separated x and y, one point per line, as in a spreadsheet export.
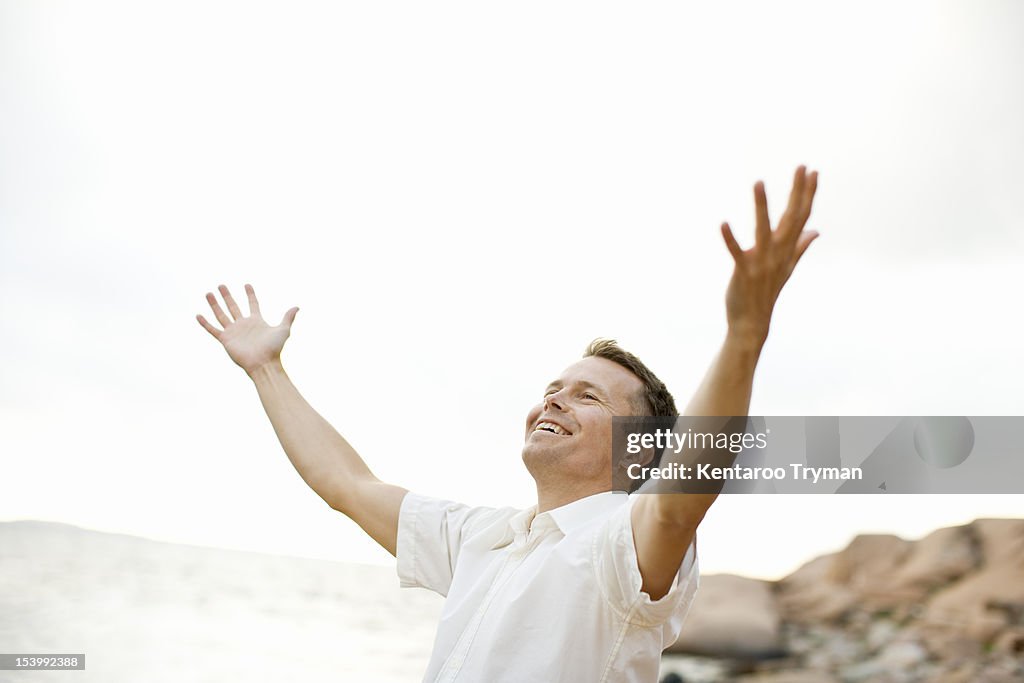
552	427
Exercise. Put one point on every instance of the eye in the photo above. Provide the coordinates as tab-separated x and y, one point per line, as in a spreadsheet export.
590	397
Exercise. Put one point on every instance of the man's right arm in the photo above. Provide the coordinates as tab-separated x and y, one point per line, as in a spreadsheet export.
326	461
322	457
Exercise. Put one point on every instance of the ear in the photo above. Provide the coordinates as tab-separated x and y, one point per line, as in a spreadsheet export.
646	457
625	469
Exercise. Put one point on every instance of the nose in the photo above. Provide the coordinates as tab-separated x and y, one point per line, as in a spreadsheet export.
553	400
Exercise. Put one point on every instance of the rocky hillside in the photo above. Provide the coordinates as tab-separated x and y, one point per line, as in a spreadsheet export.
948	608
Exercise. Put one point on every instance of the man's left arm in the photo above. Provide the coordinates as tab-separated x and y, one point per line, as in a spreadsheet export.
665	524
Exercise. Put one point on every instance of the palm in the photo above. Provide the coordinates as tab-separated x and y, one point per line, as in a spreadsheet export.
249	340
252	342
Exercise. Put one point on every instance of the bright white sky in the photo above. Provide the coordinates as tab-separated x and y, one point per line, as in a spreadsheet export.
460	196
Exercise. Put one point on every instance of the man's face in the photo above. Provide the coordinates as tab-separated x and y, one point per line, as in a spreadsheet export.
571	428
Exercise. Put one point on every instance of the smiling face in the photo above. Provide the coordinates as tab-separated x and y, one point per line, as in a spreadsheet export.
569	433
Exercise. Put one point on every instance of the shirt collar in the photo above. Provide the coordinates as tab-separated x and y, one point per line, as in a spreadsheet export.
566	518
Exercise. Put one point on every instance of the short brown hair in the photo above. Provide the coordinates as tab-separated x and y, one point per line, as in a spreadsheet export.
655	399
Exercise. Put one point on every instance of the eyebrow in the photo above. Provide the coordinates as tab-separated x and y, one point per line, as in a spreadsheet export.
582	382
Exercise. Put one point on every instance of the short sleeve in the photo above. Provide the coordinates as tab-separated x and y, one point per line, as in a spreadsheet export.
431	532
618	574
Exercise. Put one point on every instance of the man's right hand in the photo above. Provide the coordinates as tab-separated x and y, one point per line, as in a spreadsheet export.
249	341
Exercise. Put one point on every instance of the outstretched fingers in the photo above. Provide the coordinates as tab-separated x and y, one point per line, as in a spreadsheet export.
289	317
254	305
797	193
763	230
236	312
208	327
222	317
799	209
802	244
792	221
808	197
731	243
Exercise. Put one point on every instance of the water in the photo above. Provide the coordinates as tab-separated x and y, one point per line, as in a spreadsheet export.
151	612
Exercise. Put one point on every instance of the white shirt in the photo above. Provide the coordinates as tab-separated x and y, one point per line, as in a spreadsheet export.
539	598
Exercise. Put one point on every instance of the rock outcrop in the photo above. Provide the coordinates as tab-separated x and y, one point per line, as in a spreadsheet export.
948	608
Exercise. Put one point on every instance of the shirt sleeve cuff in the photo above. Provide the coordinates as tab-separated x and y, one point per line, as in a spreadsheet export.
624	582
405	544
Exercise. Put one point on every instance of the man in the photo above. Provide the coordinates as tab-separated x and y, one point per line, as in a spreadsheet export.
587	585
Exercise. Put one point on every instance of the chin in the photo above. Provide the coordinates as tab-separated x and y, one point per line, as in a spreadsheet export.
543	459
537	457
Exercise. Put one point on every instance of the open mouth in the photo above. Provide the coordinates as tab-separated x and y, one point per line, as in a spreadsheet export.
551	427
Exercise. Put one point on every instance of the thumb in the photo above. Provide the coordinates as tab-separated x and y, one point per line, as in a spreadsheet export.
289	317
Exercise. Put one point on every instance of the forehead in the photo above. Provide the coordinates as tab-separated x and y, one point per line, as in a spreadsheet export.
602	374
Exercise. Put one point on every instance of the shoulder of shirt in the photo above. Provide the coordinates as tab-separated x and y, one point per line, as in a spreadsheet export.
487	526
475	518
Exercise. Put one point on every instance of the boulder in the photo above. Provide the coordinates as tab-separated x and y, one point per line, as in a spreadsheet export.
808	595
1001	540
858	577
732	617
937	559
997	591
868	558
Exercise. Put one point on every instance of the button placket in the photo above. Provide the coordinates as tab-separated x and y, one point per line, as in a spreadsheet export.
522	545
457	658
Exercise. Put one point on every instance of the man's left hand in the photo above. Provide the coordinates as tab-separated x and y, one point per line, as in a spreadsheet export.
761	271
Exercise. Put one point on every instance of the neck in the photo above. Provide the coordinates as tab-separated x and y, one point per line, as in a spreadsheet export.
555	496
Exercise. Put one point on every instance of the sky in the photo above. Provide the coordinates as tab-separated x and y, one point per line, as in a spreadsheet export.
459	197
